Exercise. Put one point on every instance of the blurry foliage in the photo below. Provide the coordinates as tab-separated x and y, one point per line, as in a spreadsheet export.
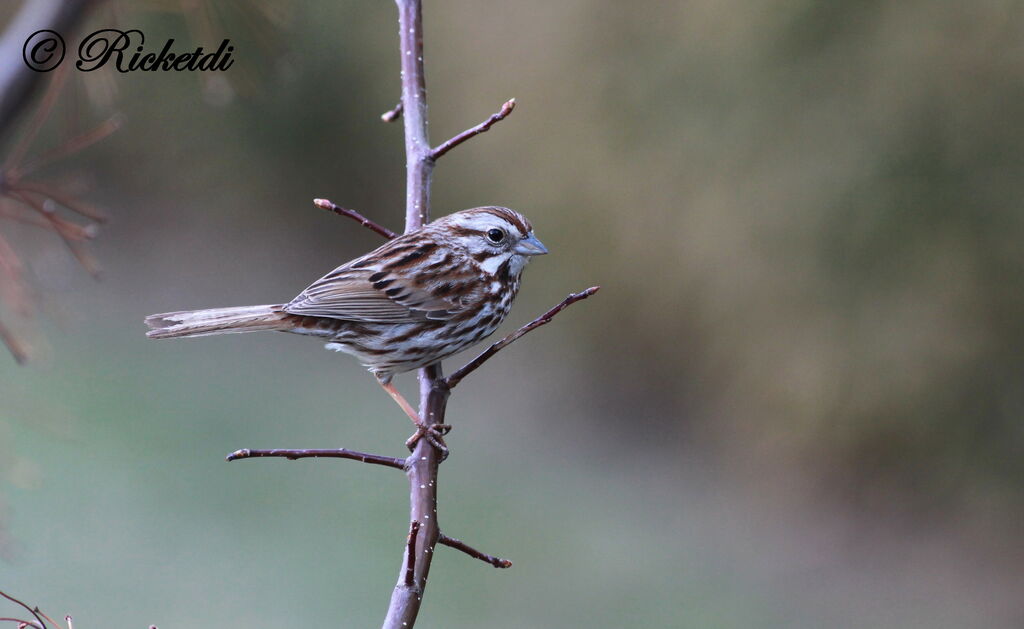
831	211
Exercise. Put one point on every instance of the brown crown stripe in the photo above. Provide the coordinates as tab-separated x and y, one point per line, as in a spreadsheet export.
521	224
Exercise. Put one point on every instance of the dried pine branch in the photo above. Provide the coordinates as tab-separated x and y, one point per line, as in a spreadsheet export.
28	200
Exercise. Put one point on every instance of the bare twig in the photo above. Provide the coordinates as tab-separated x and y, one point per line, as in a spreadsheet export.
506	109
14	346
340	453
392	115
71	233
64	228
51	192
497	562
12	270
35	612
52	621
74	145
410	553
21	622
325	204
35	123
484	356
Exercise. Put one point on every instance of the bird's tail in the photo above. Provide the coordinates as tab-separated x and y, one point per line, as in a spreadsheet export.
171	325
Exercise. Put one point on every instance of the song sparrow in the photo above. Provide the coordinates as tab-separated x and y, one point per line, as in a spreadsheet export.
411	302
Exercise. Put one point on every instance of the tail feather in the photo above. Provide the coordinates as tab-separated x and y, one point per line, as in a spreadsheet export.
171	325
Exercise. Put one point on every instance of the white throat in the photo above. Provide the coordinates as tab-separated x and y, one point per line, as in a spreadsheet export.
493	263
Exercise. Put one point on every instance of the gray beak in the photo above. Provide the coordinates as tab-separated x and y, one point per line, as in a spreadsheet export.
530	246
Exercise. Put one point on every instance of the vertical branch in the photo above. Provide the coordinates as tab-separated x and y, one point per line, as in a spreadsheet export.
419	162
423	462
422	467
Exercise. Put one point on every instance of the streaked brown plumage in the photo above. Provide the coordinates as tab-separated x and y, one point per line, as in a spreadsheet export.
411	302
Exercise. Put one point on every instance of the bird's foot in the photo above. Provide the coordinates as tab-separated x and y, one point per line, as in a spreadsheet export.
434	434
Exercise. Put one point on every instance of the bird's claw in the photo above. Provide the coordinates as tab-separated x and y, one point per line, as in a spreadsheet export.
434	434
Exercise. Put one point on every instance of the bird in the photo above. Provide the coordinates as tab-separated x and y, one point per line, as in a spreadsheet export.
413	301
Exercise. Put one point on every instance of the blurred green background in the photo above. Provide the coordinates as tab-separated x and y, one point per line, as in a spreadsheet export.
796	402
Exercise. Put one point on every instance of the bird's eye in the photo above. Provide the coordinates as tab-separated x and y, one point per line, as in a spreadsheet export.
495	235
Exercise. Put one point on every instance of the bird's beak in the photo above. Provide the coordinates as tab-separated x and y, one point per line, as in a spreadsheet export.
530	246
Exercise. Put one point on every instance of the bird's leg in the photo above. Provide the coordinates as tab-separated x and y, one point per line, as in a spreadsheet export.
433	433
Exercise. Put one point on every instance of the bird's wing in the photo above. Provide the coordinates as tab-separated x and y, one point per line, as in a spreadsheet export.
385	291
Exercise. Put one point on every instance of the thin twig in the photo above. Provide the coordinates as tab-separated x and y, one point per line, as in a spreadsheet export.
12	267
506	109
68	201
35	612
38	117
410	553
392	115
16	213
70	233
52	621
21	622
497	562
46	219
484	356
340	453
65	228
14	346
325	204
74	145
